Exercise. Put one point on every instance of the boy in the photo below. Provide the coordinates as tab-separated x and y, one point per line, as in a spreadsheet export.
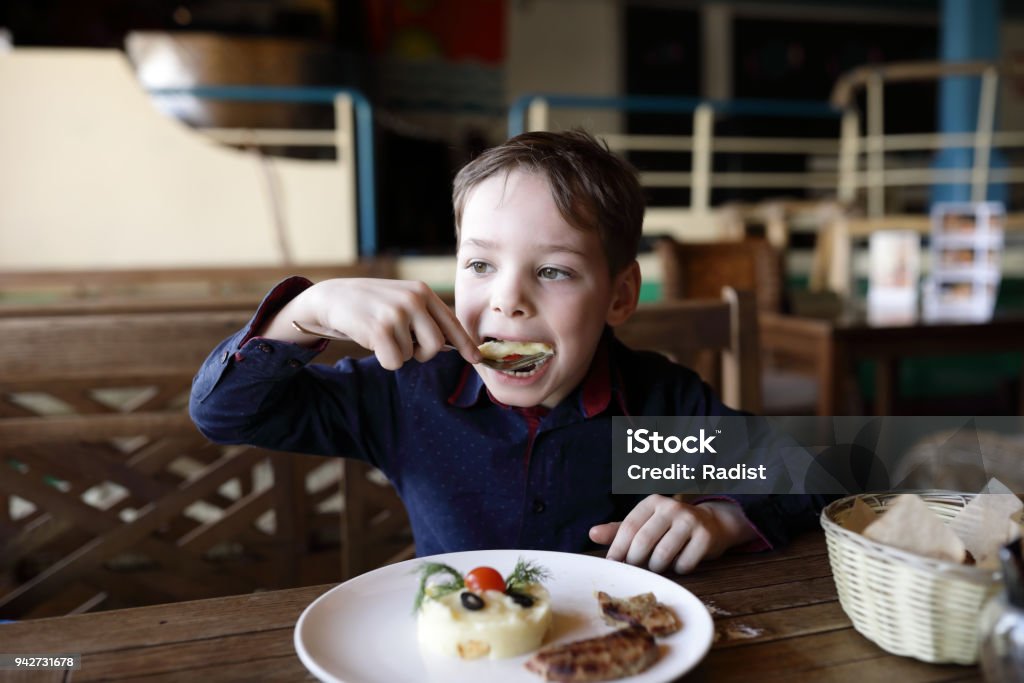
548	227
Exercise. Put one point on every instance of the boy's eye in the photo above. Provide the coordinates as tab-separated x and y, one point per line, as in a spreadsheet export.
550	273
479	266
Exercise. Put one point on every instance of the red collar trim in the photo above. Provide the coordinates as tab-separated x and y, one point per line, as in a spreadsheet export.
596	393
471	386
467	391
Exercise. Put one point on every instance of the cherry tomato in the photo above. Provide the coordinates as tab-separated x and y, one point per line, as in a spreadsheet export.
484	579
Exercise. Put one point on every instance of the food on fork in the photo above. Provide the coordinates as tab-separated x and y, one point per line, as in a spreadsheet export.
617	654
639	610
499	349
482	614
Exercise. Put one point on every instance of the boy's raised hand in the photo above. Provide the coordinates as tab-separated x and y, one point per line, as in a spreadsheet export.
664	533
396	319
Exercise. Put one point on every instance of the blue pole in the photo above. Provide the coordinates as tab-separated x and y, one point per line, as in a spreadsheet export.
970	31
365	176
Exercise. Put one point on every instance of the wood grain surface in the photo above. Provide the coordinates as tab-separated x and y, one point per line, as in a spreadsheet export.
776	618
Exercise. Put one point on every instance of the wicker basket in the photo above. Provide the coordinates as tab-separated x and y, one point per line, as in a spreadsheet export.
907	604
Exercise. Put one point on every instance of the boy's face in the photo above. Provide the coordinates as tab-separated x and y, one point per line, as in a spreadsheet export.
524	274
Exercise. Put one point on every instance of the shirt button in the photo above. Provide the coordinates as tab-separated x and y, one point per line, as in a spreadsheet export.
295	363
265	348
539	506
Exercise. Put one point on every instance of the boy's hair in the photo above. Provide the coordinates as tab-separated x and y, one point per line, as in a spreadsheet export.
593	188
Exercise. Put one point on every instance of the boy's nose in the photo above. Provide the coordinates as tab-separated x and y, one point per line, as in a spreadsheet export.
508	298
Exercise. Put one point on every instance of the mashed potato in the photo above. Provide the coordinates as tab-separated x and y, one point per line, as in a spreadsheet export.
496	350
503	628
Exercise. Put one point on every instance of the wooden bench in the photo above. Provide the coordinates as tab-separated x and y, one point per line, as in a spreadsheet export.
120	501
79	292
110	497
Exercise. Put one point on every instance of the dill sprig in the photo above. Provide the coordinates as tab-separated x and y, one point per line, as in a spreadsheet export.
525	573
437	590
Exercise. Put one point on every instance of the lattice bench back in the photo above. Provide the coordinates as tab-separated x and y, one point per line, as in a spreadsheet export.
109	496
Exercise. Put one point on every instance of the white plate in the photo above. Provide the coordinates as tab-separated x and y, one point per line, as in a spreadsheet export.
363	631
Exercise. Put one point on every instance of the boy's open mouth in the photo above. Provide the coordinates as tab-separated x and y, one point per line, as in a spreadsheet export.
526	371
503	350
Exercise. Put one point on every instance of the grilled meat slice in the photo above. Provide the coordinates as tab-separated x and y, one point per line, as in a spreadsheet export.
617	654
639	610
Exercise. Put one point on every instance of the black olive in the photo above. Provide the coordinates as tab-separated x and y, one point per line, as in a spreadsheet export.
521	599
472	601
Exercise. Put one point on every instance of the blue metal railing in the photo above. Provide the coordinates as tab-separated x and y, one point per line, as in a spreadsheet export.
669	105
662	104
365	173
701	179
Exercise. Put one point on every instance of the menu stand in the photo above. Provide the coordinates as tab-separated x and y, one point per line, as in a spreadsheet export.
966	250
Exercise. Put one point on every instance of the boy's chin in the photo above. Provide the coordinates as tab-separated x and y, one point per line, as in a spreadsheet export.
516	399
525	397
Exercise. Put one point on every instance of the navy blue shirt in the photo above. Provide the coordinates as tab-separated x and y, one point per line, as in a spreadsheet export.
472	473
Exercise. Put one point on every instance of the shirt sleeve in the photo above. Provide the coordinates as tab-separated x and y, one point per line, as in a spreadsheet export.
265	393
778	517
775	518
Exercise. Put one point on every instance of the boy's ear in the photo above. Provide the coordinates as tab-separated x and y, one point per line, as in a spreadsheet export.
625	295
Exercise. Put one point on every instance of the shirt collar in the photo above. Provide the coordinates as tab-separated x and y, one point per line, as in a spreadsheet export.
596	391
469	389
592	398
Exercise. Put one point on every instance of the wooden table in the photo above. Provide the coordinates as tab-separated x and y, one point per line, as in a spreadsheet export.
776	618
831	349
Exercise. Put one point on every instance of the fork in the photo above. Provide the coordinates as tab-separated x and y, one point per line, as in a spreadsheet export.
506	365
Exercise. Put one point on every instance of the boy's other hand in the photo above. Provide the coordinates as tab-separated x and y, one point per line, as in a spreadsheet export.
396	319
664	533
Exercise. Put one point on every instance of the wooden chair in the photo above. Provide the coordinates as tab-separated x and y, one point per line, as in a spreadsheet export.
696	270
716	337
110	496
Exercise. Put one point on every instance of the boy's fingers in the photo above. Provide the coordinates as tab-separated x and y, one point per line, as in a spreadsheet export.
453	331
429	339
668	548
646	539
404	341
692	554
388	354
604	533
633	522
392	346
